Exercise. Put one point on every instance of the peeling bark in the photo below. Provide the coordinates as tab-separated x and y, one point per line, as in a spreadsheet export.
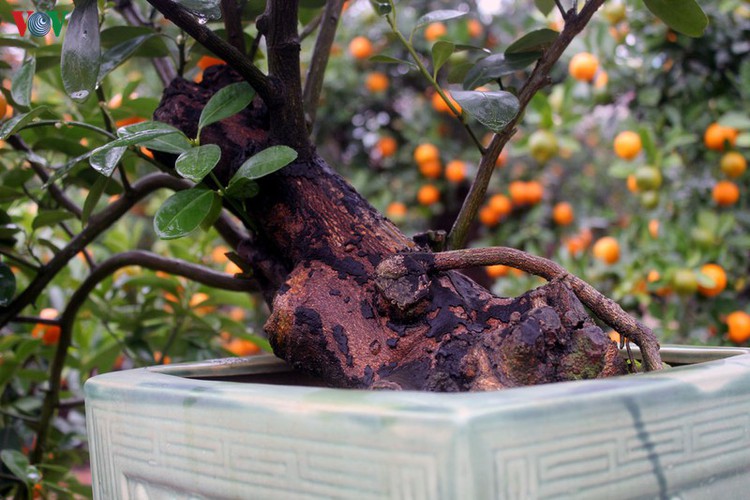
329	316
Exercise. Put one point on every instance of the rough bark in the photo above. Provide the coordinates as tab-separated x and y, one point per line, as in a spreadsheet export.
329	318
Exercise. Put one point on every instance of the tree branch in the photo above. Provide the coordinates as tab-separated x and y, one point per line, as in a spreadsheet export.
98	223
319	60
538	79
17	143
141	258
163	65
606	309
203	35
232	15
288	125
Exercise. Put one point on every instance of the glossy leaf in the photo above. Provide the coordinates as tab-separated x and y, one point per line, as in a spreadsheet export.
7	285
533	42
496	66
203	9
545	6
242	189
176	142
118	54
183	212
80	52
683	16
437	16
19	465
13	125
264	163
104	159
492	109
441	51
226	102
50	218
196	163
23	81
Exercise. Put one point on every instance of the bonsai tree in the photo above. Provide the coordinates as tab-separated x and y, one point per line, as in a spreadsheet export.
352	299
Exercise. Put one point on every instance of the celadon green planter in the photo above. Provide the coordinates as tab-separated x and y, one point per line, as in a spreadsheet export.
221	429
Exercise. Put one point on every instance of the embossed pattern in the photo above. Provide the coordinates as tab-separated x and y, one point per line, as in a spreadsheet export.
682	433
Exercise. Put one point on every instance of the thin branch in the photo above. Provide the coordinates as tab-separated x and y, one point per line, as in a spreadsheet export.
232	15
142	258
310	27
538	79
229	231
17	143
606	309
203	35
72	123
19	260
35	320
163	65
321	53
562	10
433	81
98	223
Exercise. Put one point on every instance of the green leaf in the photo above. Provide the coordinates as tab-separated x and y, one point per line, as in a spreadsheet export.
7	285
735	119
175	143
104	159
545	6
441	51
9	194
19	465
437	16
533	41
203	9
225	103
23	81
95	194
16	123
21	43
492	109
242	189
183	213
213	214
118	54
266	162
496	66
382	58
683	16
196	163
50	218
80	51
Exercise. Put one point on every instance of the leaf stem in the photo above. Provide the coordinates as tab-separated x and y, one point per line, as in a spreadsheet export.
422	69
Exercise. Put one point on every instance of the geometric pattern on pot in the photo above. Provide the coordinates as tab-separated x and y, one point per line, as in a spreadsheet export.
681	433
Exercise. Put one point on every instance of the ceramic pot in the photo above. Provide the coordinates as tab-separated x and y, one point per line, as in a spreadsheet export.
246	428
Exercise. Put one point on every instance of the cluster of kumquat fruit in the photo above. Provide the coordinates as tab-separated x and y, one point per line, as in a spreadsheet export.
648	207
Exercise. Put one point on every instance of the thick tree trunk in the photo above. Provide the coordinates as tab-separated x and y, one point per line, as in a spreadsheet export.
330	317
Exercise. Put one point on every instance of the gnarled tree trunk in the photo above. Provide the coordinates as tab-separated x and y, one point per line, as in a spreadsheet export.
315	252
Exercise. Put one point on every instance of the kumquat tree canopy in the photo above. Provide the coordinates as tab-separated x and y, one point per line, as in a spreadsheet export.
430	195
